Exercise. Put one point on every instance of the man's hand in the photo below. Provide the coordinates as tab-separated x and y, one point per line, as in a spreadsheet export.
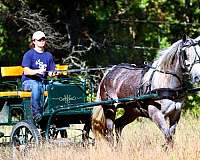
56	73
53	73
41	71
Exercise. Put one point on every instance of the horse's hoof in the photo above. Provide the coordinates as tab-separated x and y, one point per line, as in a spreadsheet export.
167	147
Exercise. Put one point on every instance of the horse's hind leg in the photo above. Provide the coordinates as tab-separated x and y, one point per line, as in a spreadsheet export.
110	117
129	116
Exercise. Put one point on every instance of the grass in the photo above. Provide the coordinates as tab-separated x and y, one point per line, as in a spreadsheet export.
141	140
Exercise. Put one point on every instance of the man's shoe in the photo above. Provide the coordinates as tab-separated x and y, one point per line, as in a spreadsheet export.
1	134
37	118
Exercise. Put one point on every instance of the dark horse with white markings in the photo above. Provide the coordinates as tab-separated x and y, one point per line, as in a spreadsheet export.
168	71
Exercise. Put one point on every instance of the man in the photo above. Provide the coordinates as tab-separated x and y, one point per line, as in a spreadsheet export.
36	62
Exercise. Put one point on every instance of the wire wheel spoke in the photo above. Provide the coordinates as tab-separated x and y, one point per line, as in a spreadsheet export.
24	135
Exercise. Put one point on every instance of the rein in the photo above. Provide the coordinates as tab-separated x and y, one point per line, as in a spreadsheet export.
167	72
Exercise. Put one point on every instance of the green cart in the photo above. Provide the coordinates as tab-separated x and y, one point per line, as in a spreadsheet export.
62	94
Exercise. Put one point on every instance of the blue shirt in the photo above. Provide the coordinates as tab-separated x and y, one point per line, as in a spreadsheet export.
36	60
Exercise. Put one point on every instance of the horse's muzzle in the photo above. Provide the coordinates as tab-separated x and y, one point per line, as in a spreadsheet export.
196	79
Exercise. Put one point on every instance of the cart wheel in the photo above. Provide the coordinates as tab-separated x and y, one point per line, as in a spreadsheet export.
24	135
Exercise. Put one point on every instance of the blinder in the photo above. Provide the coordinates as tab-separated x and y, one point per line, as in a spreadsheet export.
183	56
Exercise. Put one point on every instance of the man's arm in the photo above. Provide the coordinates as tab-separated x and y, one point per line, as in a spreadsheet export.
28	71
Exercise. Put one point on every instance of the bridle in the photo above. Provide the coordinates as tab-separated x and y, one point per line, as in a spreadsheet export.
185	68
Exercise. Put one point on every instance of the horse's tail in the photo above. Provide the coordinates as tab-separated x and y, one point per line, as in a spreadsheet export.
98	119
98	122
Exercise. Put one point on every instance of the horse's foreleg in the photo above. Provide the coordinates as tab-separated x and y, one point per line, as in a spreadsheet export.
157	117
173	111
173	121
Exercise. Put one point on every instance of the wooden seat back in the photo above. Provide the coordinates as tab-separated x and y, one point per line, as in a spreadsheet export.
17	71
11	71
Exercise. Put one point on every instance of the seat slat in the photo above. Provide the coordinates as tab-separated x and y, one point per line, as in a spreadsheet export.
8	93
13	71
62	67
26	94
21	94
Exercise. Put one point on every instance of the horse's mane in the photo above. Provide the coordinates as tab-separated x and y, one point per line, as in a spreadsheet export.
164	61
167	56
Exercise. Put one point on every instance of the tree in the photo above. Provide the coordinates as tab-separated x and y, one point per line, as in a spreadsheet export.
122	31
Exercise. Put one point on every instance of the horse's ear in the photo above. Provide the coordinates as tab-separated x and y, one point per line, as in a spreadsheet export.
184	37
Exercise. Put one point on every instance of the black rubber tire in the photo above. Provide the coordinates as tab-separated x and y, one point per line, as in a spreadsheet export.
25	134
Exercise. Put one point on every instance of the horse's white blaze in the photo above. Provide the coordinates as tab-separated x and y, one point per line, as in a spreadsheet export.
195	72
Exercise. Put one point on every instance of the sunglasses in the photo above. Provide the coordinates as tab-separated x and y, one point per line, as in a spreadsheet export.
42	39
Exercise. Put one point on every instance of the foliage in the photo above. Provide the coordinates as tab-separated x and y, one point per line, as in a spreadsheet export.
192	105
10	41
129	31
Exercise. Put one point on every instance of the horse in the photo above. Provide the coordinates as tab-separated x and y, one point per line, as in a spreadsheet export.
173	69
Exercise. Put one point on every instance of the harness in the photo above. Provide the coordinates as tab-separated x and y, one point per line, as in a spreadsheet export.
183	83
164	93
148	88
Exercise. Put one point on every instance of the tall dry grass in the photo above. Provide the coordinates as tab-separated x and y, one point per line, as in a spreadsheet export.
141	140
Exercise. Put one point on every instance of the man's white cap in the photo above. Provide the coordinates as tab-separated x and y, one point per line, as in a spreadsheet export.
38	35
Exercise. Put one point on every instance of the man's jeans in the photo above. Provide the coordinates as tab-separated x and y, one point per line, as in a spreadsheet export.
37	89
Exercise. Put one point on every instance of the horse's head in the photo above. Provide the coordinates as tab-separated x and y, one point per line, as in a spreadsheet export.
190	57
